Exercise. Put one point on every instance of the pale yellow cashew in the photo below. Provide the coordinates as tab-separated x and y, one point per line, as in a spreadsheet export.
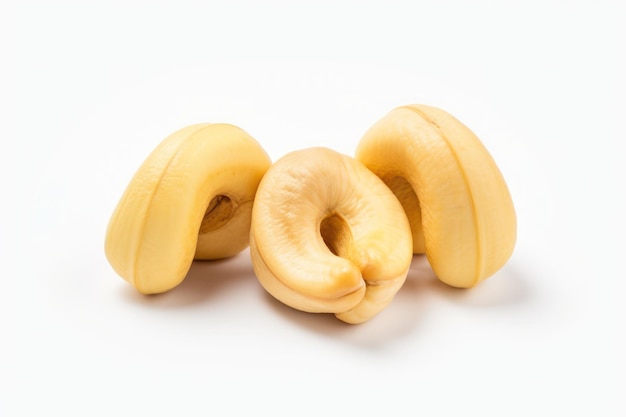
328	236
456	199
191	198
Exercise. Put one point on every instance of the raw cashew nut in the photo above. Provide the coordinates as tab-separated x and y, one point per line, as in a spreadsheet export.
455	197
191	198
328	236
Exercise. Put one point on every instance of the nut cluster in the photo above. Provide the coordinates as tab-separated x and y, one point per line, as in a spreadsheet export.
328	233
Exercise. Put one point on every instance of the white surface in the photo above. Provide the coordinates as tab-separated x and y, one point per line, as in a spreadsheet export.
88	90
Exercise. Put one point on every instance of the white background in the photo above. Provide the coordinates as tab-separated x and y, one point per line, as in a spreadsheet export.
88	89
